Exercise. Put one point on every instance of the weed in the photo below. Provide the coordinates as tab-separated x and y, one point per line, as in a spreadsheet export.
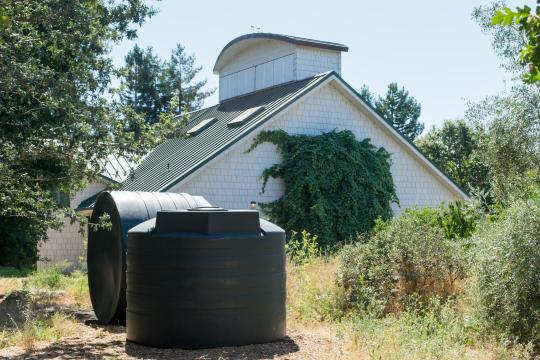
302	249
49	278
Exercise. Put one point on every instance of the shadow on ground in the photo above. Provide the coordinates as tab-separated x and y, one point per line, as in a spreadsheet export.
109	341
248	352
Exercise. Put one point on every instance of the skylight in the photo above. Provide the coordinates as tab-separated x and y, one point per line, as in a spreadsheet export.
201	126
246	115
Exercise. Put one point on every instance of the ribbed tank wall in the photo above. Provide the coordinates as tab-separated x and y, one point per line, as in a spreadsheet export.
107	247
191	288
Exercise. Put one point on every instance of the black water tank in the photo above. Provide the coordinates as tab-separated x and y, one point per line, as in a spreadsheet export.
205	278
107	247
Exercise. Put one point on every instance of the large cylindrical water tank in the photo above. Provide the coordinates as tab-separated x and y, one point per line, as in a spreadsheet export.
107	247
205	278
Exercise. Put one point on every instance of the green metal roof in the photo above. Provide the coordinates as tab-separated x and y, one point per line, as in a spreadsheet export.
175	159
88	203
116	168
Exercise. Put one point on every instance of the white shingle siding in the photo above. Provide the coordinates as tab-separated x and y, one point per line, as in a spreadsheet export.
68	244
233	179
272	62
312	61
262	52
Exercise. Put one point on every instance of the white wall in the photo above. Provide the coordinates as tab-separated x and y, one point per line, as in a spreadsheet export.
68	244
233	179
312	61
257	53
269	62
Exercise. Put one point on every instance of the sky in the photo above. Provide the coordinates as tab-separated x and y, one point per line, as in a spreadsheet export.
432	48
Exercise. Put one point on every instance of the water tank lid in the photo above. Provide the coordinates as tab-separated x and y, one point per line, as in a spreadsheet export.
207	208
208	221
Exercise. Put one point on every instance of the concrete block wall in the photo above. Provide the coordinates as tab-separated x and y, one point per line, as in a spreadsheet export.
67	245
233	179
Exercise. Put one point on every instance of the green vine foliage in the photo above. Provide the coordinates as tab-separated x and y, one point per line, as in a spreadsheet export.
336	186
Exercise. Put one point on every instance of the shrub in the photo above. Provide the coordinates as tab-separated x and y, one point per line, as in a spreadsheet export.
302	250
405	259
458	220
335	186
509	273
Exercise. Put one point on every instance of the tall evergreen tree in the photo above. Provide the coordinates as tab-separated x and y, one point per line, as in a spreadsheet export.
149	84
141	83
367	95
401	110
398	108
180	73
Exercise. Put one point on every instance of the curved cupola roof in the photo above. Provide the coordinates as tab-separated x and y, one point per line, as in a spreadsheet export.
239	44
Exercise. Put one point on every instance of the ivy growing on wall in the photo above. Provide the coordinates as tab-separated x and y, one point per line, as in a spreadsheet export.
335	185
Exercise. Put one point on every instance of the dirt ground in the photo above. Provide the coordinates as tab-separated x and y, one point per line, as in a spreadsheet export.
95	341
111	344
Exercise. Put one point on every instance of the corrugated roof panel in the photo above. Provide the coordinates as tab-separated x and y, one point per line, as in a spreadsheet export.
116	168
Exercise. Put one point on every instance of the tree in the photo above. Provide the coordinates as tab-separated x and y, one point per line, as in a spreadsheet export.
457	149
150	84
366	95
56	121
507	40
140	83
180	72
528	24
510	122
511	146
398	108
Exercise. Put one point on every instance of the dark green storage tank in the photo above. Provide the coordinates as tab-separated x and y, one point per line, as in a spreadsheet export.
106	255
205	278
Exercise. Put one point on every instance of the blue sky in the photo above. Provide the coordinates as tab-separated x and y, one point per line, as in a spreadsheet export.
432	48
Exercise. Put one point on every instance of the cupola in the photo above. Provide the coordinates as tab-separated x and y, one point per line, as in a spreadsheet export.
257	61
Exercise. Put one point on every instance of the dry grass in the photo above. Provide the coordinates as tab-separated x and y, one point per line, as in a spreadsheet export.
446	331
9	284
315	319
48	289
39	328
311	291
